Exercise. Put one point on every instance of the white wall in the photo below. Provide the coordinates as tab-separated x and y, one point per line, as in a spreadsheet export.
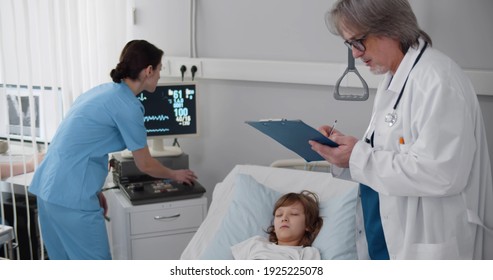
279	30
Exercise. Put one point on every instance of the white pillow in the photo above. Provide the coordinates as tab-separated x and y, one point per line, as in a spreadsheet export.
250	213
337	238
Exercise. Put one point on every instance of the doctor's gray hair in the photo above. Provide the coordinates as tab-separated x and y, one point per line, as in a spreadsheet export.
389	18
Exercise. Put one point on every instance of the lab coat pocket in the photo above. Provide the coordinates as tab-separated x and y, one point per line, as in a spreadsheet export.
404	148
447	250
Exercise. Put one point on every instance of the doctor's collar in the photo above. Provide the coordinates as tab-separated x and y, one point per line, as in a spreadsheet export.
396	82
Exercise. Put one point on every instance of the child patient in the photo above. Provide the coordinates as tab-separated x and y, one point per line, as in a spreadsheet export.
295	226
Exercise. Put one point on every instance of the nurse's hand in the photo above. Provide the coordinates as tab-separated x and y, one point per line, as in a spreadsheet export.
184	176
103	203
338	156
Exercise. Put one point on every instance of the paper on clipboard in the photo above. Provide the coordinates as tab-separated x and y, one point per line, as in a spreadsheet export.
294	135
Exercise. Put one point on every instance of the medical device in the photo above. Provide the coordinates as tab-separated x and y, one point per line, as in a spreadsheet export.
170	112
140	188
351	97
160	190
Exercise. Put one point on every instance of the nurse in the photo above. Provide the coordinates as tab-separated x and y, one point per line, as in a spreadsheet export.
105	119
423	166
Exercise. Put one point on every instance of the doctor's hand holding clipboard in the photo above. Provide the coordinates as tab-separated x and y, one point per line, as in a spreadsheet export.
340	155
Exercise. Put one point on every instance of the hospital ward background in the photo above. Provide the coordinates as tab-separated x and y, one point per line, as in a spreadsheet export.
240	61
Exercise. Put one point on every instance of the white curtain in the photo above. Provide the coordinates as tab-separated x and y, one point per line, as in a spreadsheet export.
51	51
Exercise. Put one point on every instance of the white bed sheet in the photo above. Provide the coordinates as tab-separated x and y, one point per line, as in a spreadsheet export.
278	179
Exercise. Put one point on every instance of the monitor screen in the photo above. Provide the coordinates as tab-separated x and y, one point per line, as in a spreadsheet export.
170	112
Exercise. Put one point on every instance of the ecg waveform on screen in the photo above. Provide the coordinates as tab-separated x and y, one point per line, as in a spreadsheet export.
158	130
156	118
170	110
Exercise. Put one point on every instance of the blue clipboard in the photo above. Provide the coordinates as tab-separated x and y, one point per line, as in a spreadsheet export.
294	135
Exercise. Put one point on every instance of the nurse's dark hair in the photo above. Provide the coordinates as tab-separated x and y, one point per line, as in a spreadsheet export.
135	56
390	18
313	221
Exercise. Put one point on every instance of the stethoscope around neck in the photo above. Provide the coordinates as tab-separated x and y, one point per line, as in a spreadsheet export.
391	118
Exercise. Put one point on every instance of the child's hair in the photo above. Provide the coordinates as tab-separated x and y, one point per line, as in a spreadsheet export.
313	221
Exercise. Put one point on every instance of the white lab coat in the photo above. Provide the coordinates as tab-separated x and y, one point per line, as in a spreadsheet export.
436	188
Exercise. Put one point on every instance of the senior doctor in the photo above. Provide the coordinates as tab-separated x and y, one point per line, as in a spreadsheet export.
423	166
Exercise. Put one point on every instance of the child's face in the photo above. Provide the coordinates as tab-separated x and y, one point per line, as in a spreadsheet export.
289	224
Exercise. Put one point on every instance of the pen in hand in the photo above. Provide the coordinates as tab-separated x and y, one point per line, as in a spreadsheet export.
332	129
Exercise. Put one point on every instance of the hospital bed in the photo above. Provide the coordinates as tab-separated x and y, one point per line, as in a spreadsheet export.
242	207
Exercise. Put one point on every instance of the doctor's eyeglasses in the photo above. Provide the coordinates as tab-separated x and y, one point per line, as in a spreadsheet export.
357	43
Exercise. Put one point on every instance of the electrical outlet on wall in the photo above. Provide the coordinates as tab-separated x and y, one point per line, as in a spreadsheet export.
176	63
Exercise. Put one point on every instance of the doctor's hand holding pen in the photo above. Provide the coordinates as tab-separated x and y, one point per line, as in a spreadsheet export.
340	155
328	131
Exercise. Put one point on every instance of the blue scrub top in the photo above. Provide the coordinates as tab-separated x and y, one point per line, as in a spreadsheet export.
106	119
